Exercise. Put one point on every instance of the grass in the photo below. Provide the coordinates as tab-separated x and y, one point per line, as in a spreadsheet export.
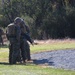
32	69
53	46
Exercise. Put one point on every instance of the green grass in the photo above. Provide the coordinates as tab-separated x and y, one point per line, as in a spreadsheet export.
54	46
32	69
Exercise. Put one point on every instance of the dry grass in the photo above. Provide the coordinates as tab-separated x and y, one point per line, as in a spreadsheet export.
54	41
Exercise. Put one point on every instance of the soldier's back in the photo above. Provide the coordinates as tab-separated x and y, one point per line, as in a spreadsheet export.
11	29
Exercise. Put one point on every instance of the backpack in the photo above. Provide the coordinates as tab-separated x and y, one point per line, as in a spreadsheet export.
23	28
11	28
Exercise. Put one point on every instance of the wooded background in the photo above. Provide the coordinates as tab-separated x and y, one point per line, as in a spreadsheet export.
45	18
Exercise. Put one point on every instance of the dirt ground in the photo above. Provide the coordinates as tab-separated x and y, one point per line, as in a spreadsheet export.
51	41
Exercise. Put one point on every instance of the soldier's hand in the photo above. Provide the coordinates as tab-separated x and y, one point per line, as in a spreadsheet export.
32	42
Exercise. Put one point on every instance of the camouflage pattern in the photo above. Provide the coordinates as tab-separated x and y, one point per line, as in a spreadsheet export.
25	48
24	27
25	32
11	29
14	46
14	49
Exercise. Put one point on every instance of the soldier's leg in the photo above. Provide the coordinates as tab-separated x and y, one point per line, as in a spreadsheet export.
27	48
19	57
10	53
16	48
23	50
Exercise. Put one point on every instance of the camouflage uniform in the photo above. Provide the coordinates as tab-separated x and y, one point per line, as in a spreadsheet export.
25	48
14	46
14	50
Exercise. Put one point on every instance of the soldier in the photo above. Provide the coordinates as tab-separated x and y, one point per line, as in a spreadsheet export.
13	34
25	48
25	31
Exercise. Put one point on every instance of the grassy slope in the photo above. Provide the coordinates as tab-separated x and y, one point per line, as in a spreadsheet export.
32	69
53	46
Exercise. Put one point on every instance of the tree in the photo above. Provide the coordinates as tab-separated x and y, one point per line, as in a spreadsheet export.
46	18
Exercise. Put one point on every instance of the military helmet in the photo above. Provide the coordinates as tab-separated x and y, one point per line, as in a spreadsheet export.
17	19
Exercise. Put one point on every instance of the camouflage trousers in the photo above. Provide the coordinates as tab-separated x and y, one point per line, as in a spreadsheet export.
25	49
14	51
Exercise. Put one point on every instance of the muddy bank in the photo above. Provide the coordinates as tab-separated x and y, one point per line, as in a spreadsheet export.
58	59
